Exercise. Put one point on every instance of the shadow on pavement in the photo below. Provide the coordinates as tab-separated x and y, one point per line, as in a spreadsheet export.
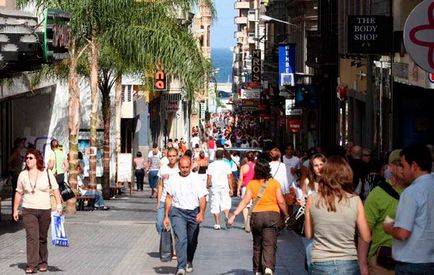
8	226
165	269
154	254
237	272
23	266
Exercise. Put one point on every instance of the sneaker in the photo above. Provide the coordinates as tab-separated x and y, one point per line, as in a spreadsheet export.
268	271
189	268
217	226
180	272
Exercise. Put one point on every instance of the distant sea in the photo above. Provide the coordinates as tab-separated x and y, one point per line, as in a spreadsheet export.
222	61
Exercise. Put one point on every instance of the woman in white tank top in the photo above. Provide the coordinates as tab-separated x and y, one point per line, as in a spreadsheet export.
331	218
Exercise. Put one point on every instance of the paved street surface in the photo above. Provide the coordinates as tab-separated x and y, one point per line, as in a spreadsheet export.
124	241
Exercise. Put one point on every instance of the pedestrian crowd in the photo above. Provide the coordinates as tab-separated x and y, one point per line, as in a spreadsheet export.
361	215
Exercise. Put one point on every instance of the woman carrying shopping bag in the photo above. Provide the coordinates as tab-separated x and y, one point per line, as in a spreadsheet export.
33	187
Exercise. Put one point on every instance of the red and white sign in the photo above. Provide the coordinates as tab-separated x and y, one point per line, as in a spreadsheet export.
419	35
294	125
431	77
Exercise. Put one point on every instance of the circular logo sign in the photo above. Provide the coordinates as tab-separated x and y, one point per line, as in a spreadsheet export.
431	77
419	35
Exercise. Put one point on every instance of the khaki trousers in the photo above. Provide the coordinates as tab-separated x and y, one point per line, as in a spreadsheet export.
36	222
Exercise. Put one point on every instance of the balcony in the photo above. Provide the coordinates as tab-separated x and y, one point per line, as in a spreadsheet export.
238	34
241	20
239	5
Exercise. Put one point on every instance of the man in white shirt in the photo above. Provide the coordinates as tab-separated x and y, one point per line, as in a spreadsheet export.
186	204
195	140
220	178
292	163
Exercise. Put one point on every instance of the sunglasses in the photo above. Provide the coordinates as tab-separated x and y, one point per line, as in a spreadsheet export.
30	158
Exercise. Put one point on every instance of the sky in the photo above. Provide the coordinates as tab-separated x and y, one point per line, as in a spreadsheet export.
222	30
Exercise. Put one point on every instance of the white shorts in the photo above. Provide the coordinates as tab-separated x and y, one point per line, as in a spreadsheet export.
220	200
243	193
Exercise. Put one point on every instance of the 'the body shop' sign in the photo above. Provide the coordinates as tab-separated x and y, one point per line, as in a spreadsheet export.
369	34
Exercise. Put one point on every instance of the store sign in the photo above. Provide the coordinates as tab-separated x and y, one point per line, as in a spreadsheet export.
419	33
250	94
369	34
256	65
160	83
172	106
286	65
56	35
431	77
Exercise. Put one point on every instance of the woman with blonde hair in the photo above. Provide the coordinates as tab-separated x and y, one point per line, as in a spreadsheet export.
332	216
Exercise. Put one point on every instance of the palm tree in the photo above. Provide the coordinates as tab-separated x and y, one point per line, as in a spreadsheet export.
150	35
142	33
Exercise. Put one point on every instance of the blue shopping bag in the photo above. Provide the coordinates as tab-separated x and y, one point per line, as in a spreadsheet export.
58	234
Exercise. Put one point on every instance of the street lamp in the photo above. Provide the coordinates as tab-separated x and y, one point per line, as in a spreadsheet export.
267	18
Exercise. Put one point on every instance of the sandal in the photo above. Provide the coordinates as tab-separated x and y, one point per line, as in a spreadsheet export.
43	268
30	270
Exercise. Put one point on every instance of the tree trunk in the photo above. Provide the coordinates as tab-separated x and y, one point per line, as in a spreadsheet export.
118	102
106	114
94	111
74	126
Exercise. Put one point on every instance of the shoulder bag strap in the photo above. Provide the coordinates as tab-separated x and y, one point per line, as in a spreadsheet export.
389	189
258	197
275	173
49	181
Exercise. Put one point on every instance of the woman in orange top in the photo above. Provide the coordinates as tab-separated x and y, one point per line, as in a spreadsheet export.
265	217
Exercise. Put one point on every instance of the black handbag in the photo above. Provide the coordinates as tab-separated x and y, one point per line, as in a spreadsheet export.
66	191
295	222
166	247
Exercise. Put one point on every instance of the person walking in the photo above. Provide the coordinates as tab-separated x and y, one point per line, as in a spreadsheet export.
278	170
267	206
153	166
331	218
292	163
413	228
185	204
58	162
139	170
220	179
247	173
33	187
165	172
382	202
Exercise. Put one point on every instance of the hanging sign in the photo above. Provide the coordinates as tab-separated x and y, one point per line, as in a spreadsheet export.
286	65
256	65
369	34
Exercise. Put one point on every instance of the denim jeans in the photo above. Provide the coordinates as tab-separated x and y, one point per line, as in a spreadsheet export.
159	218
99	201
186	231
153	178
411	268
335	267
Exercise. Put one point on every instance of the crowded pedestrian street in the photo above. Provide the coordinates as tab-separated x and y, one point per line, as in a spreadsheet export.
124	241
